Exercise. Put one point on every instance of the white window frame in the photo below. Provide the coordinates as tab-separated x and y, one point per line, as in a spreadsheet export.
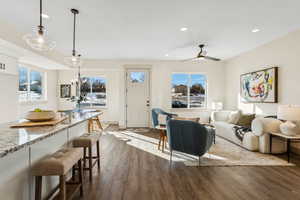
106	84
44	79
188	90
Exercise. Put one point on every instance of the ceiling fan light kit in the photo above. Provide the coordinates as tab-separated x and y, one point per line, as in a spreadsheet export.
202	55
38	40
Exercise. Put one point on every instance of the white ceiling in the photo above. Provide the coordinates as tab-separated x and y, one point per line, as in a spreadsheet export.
140	29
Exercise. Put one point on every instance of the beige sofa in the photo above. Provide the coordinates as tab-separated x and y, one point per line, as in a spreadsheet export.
256	140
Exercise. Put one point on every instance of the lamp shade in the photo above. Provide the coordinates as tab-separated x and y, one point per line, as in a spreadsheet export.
289	113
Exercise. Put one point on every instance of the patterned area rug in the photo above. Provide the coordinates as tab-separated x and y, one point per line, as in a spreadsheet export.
223	153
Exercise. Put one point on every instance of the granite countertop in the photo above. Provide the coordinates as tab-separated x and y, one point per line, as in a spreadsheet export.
14	139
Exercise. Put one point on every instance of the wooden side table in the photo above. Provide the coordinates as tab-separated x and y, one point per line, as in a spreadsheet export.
287	138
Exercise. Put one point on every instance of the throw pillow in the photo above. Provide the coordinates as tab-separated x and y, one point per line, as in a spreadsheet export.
234	117
246	120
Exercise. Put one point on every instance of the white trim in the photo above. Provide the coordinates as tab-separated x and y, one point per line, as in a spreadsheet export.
188	92
137	68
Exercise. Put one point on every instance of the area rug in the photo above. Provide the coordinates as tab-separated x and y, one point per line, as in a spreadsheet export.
223	153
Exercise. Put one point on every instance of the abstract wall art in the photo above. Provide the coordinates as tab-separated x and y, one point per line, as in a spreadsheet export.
260	86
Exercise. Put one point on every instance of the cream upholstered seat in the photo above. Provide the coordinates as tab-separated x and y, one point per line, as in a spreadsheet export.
86	140
58	163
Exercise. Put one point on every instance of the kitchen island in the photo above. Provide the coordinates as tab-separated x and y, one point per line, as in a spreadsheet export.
20	148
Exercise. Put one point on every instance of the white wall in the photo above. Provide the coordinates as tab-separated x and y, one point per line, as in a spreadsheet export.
50	103
8	98
160	78
284	53
11	109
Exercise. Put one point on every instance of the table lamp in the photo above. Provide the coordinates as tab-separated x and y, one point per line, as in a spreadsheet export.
291	114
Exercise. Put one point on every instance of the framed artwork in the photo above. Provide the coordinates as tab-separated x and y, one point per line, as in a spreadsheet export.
65	91
260	86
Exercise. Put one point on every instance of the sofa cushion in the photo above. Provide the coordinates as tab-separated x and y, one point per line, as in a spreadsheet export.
234	117
245	120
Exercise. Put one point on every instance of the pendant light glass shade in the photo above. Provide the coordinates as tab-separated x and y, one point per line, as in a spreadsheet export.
39	41
73	61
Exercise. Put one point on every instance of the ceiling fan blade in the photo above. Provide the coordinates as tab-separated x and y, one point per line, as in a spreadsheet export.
190	59
211	58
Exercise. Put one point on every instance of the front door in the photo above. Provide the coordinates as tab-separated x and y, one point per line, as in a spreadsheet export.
137	97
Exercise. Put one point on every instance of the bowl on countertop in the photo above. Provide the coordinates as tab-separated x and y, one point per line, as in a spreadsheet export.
45	115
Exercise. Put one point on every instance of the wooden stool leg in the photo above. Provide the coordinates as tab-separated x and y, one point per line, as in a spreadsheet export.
80	177
90	163
62	187
38	187
160	139
98	154
163	143
84	156
90	123
73	173
99	123
166	141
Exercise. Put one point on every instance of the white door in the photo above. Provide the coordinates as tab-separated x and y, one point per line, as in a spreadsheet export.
137	98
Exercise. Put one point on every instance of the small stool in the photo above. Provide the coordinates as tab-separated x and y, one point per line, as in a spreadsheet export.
91	123
59	164
87	141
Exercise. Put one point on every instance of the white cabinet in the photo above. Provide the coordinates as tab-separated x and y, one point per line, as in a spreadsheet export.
8	64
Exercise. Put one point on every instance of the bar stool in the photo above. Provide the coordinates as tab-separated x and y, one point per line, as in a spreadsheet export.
86	141
59	164
92	121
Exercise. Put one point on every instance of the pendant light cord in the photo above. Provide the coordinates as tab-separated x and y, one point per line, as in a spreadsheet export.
41	7
74	35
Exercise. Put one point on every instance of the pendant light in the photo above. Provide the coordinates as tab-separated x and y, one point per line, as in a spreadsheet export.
74	60
38	40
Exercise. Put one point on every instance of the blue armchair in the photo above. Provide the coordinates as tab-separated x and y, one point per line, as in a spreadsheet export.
189	137
158	111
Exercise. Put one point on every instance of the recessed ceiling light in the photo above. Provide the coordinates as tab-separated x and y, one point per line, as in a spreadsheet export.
183	29
255	30
45	16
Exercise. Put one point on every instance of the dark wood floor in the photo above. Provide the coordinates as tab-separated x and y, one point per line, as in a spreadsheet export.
130	173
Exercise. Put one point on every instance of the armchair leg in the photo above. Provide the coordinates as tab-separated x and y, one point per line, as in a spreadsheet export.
171	156
199	161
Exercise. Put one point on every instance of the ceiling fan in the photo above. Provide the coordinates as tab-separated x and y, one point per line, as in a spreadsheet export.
202	55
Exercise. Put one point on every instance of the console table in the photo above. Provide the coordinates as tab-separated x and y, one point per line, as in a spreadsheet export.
287	138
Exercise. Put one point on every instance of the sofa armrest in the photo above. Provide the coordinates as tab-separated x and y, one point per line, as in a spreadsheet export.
260	126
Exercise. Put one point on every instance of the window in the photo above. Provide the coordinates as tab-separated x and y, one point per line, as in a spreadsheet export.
94	91
30	84
137	77
188	90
